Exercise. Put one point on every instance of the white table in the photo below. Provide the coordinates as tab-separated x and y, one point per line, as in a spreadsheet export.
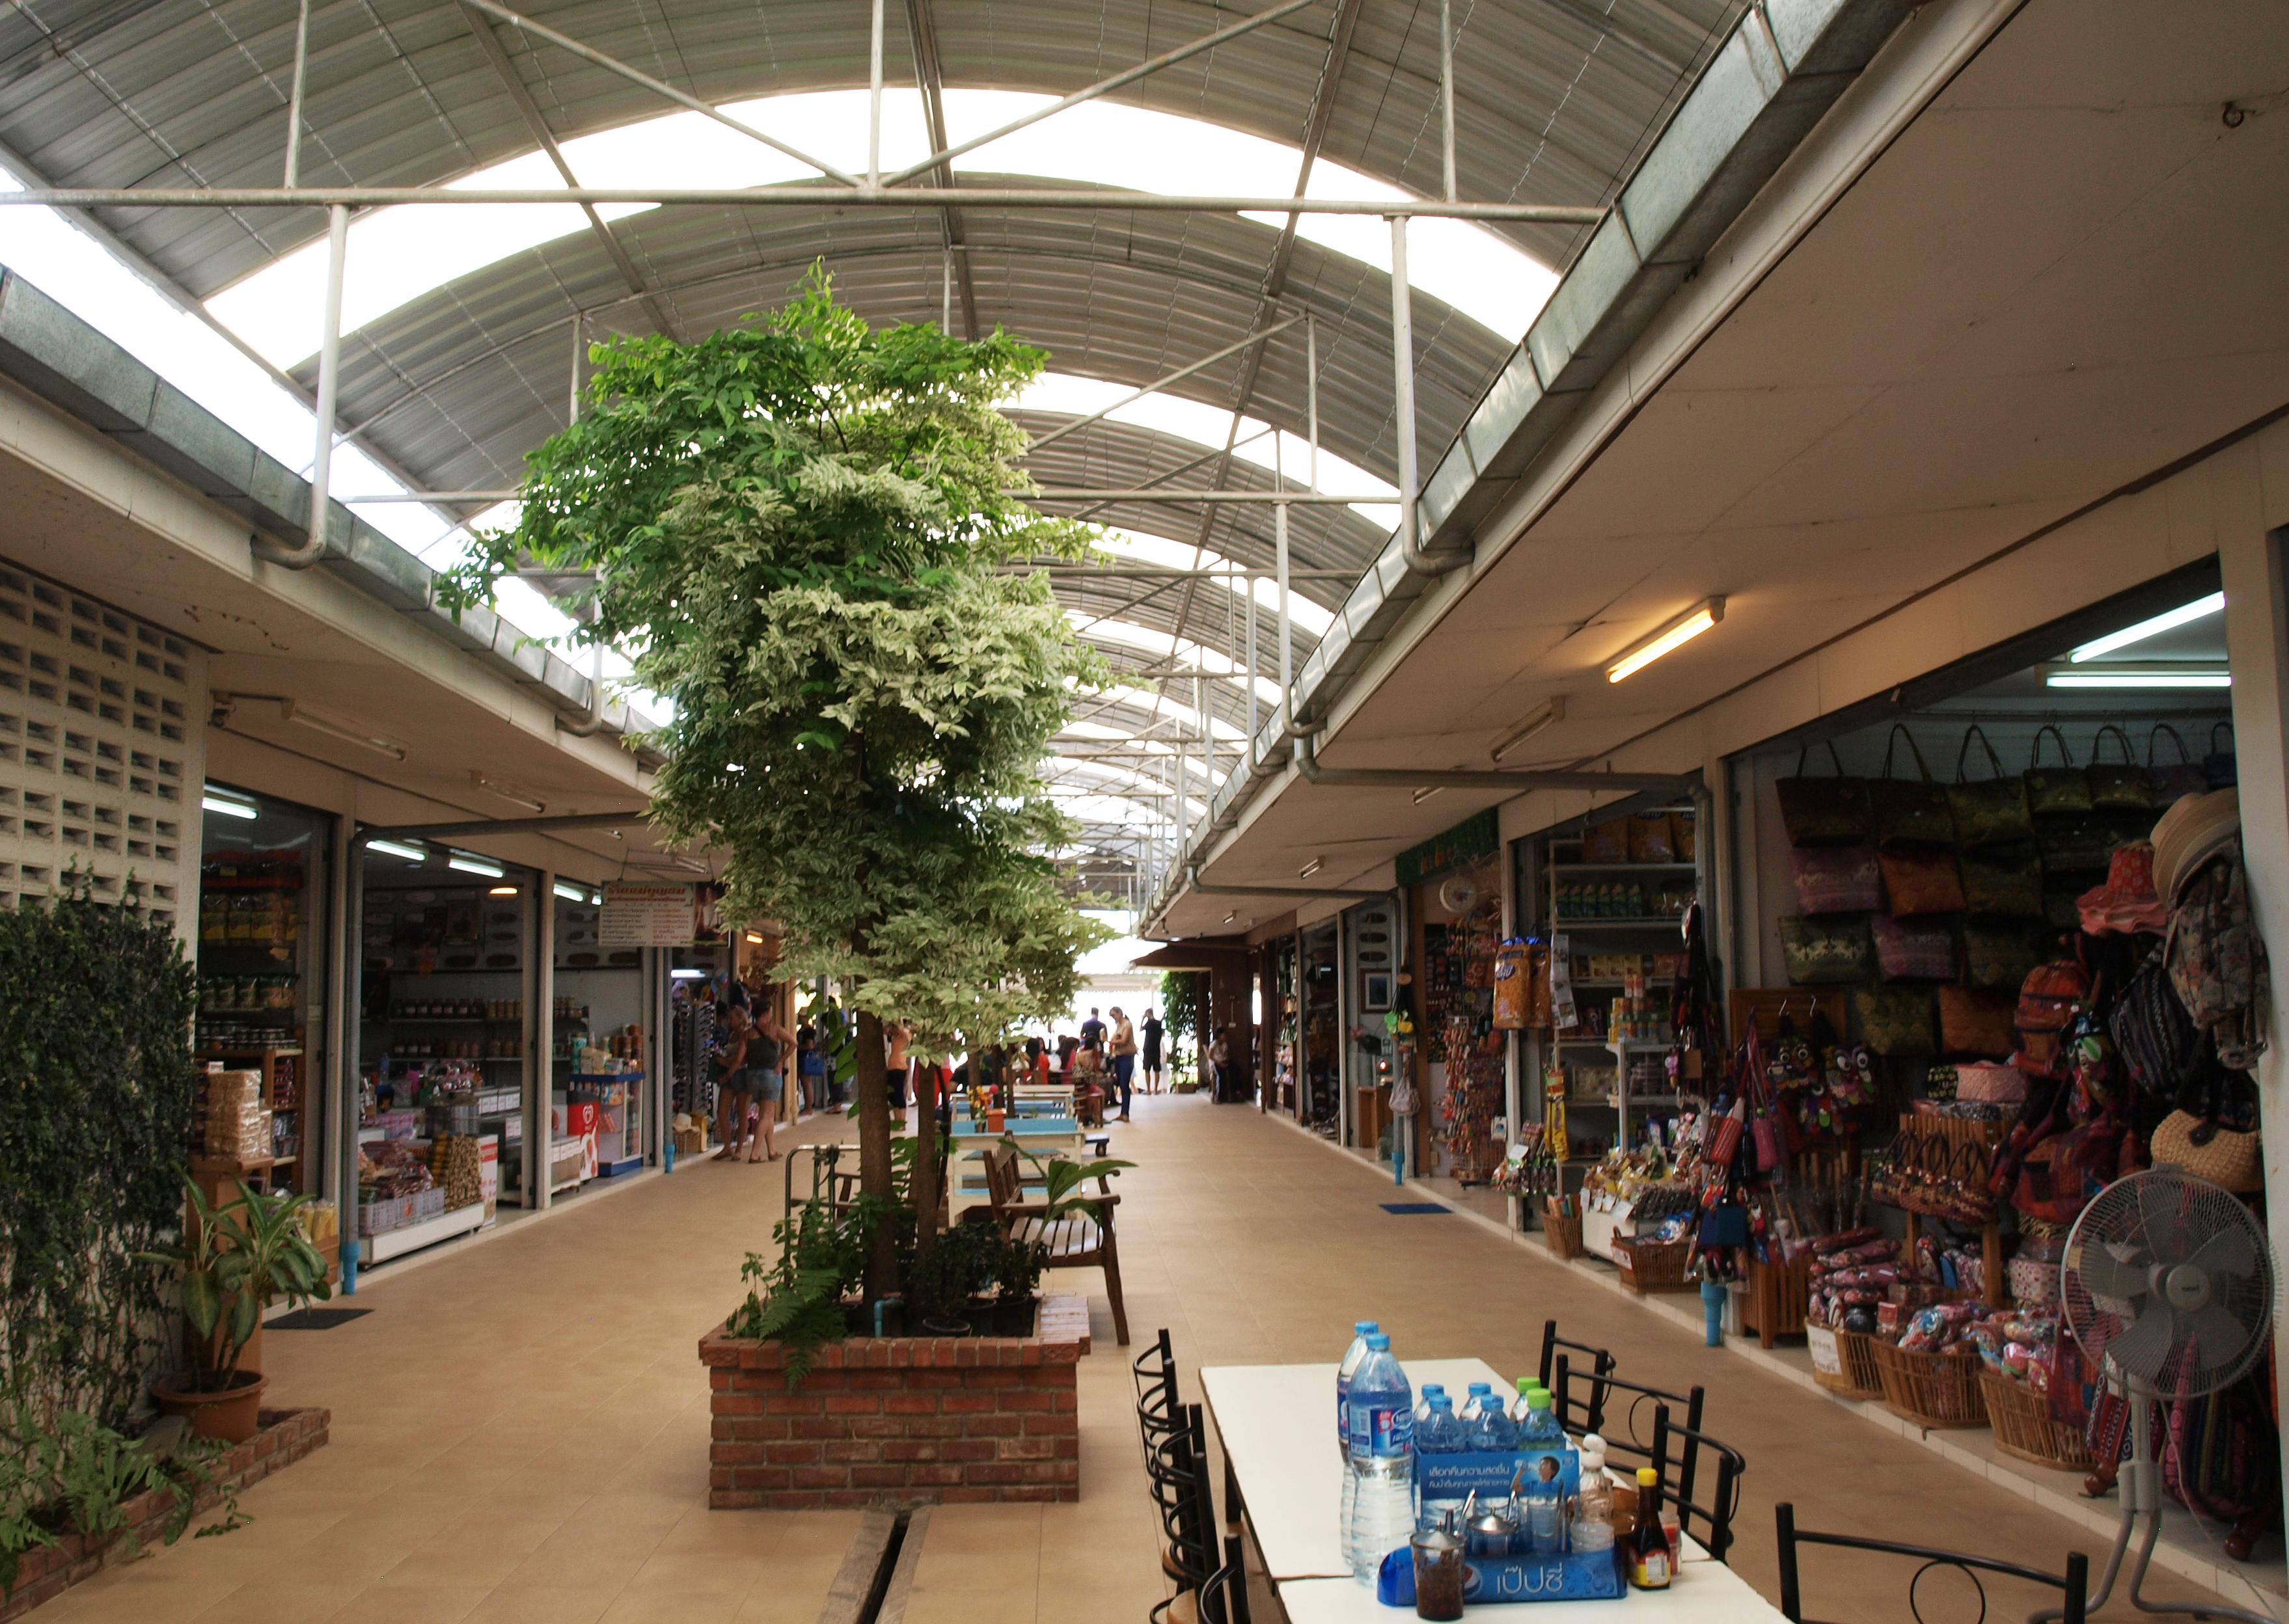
1282	1470
1040	1137
1277	1424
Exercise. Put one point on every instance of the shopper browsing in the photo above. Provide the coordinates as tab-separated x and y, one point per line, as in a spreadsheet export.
732	1080
766	1043
810	1067
1153	1033
899	1036
1122	1047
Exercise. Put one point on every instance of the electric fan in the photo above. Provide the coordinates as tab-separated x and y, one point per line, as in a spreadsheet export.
2167	1283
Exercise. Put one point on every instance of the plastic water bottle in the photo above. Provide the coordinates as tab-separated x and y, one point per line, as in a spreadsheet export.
1440	1433
1540	1429
1473	1400
1592	1527
1527	1387
1491	1428
1352	1356
1382	1467
1423	1397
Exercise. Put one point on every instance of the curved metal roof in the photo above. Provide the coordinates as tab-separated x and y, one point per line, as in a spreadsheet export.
1556	100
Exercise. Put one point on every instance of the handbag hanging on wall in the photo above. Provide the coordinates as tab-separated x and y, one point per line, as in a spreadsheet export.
1908	811
1920	880
1999	957
2219	766
2005	881
1974	1021
2171	781
1830	811
1826	952
1992	810
1913	950
2052	791
1837	878
1893	1019
2118	786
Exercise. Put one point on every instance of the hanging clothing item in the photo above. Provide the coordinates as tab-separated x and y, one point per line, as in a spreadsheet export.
2217	959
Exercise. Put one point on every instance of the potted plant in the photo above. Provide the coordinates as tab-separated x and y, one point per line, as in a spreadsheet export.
233	1261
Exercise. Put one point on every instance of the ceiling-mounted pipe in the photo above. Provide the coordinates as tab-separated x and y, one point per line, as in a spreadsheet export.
1402	376
1518	783
589	726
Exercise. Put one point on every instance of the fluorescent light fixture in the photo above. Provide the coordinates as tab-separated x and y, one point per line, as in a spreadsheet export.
687	974
1232	917
571	893
515	798
1427	791
392	848
1311	868
380	746
224	801
502	891
755	938
2184	615
469	863
1671	638
2131	676
1551	710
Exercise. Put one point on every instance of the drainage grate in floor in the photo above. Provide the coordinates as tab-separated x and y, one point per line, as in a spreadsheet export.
1409	1209
314	1319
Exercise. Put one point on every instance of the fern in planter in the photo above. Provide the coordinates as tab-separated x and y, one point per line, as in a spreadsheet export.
798	1303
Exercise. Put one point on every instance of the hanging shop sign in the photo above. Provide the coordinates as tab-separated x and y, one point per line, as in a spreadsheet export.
1474	840
636	915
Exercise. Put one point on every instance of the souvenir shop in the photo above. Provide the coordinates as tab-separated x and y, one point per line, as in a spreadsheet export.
1991	952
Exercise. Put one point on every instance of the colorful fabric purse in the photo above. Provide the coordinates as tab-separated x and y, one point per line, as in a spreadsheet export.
2004	880
1837	878
2074	843
2171	781
1992	810
1826	952
2152	1031
2053	790
1973	1022
1823	811
2118	786
1893	1019
1920	879
2048	1001
1913	950
1908	811
1999	957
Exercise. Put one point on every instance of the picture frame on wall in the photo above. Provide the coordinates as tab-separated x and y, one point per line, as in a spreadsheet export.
1375	991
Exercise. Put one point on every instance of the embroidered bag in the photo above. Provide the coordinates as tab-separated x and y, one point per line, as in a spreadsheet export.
2217	959
1913	950
1972	1022
2004	880
1823	811
1893	1019
1991	810
2118	786
2171	780
2219	766
1837	878
1826	952
1920	879
2151	1031
2048	1001
1908	811
2052	790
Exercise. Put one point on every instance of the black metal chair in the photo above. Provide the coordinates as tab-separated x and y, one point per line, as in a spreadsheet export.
1154	1373
1601	1362
1208	1592
1605	1398
1677	1472
2075	1581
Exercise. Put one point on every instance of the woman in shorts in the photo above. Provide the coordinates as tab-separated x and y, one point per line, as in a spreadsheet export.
766	1044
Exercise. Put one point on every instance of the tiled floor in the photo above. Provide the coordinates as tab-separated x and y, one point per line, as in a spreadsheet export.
520	1427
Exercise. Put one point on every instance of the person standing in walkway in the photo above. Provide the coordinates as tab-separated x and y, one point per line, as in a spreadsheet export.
766	1043
1092	1030
732	1080
810	1067
898	1035
1122	1047
1153	1031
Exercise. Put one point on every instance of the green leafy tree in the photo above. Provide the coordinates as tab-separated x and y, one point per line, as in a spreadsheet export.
801	525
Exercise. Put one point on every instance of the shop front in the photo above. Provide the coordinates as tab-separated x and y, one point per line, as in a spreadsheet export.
1456	1057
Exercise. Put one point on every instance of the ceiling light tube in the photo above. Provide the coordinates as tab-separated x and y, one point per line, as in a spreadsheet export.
469	863
571	893
1311	868
479	781
2170	620
332	729
2121	677
1551	710
1428	790
1671	638
229	805
393	849
502	891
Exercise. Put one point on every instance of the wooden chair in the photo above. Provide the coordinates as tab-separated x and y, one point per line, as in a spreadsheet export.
1677	1454
2075	1581
1074	1241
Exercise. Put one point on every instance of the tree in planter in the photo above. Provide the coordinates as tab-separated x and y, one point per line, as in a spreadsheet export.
799	525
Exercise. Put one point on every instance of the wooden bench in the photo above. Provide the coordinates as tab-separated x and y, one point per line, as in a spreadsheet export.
1076	1240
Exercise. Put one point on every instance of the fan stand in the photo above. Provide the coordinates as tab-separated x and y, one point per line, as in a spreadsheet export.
2139	1485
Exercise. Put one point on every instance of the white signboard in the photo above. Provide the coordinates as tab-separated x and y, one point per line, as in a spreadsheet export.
644	915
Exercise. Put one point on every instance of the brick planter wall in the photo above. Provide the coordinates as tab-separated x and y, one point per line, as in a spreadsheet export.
51	1570
899	1420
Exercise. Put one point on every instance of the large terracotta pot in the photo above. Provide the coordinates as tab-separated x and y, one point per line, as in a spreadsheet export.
232	1416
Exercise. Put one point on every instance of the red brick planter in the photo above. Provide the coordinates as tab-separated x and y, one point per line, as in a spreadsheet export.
51	1570
899	1420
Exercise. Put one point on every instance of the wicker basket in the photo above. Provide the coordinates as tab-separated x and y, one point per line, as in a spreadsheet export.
1655	1265
1561	1234
1855	1375
1932	1389
2024	1427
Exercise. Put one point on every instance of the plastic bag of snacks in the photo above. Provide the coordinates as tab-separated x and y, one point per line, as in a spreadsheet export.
238	1124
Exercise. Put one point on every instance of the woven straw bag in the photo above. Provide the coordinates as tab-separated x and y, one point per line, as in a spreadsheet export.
2226	1159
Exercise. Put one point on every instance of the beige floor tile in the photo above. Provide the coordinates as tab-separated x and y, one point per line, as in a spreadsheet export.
281	1603
518	1604
402	1604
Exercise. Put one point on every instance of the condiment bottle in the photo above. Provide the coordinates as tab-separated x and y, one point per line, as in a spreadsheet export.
1649	1552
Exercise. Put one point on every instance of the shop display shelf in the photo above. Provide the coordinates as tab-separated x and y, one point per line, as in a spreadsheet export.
1623	868
1644	922
412	1236
620	1169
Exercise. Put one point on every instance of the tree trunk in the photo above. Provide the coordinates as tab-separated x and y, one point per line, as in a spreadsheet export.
872	1083
926	1162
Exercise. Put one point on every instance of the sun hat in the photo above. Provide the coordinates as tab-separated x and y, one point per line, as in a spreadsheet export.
2126	900
2189	834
